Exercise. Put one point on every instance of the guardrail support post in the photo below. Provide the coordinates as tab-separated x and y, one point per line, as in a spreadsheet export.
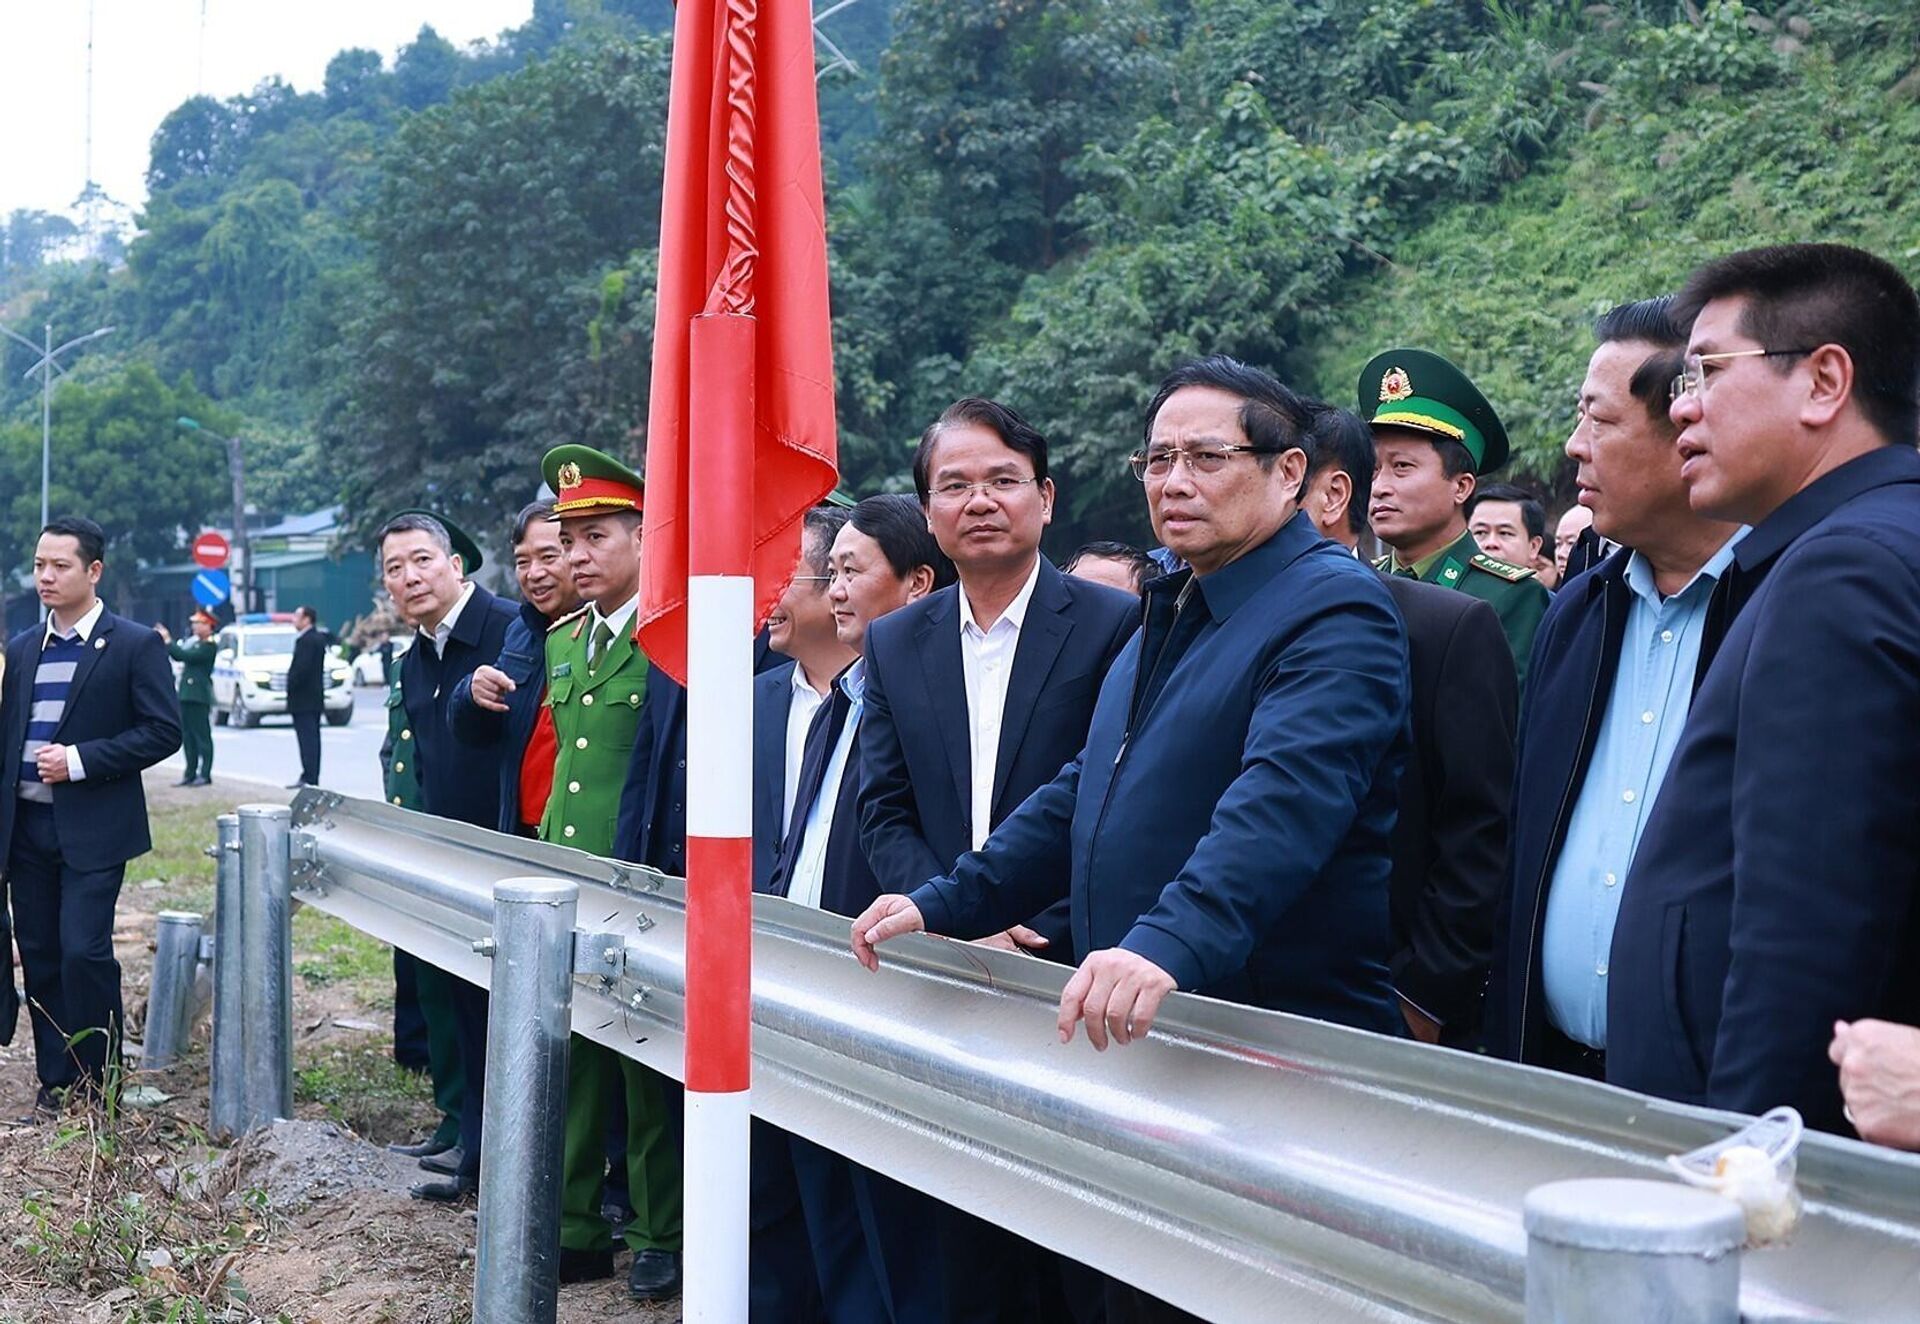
266	965
227	1101
176	954
530	1016
1611	1249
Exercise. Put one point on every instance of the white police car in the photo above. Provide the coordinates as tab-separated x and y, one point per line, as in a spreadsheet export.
250	673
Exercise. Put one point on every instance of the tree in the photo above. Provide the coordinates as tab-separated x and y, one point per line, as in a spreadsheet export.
119	458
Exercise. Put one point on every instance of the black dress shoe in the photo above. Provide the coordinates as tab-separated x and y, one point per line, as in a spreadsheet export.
585	1266
187	781
451	1191
425	1149
654	1275
444	1161
203	781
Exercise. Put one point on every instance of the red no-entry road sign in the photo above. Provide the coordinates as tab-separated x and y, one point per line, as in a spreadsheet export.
211	550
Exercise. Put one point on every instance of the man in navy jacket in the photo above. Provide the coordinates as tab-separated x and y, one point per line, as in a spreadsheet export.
1777	887
87	704
940	683
1214	839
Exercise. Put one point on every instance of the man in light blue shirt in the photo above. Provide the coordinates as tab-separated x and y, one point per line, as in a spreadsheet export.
1613	675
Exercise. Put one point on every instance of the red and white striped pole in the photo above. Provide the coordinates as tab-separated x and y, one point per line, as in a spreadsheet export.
719	815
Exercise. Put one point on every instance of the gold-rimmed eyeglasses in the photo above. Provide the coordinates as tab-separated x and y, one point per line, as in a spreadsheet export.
957	493
1693	368
1204	461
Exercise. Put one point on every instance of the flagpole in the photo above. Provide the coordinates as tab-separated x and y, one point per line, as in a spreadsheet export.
720	626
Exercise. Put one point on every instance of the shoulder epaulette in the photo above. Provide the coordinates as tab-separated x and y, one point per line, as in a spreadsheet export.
1513	574
1385	563
577	612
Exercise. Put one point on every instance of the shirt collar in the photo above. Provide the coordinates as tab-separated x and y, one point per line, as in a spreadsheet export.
853	681
444	630
1639	571
1016	612
1232	584
84	627
616	620
1820	498
804	687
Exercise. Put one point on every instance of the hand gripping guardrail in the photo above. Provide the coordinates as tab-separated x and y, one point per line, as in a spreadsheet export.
1242	1164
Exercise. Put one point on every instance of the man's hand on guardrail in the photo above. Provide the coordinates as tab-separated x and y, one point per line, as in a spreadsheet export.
491	686
1880	1079
888	917
1019	938
1118	993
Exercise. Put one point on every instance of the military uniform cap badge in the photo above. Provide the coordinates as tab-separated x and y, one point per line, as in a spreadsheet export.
1395	386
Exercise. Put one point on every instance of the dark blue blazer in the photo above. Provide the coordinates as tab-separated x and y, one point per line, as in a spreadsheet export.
916	816
1576	656
122	714
458	779
523	656
848	884
1232	824
1777	886
772	701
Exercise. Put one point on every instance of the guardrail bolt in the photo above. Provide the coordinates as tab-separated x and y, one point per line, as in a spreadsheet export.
485	946
639	998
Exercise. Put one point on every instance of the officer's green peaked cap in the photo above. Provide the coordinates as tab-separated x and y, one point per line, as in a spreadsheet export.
1422	392
589	482
464	547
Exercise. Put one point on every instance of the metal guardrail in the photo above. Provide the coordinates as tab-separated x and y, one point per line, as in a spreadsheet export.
1245	1165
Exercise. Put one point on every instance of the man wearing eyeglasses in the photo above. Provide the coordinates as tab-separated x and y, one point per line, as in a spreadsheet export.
1435	435
976	695
1225	829
1777	886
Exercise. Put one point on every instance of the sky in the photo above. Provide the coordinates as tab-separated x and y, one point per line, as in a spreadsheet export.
149	56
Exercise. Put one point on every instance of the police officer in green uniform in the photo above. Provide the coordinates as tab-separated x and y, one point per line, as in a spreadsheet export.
1434	434
431	986
195	657
596	682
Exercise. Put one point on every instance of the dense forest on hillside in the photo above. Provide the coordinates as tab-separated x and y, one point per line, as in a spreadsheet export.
404	285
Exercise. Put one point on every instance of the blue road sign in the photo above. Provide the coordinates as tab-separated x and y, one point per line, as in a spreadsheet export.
211	587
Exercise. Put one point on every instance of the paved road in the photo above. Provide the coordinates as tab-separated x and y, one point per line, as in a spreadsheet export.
349	755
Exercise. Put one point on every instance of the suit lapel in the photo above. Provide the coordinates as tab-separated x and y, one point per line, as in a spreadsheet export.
770	753
938	643
1042	635
89	655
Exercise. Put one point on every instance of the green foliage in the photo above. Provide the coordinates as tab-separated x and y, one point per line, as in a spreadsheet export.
119	457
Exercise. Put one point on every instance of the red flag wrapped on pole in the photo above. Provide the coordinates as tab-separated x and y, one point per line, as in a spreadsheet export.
740	444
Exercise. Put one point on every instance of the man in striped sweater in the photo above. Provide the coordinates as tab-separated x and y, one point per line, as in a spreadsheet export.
87	702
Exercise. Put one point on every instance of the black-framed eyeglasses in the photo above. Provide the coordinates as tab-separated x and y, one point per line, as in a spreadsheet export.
1204	461
1693	368
957	493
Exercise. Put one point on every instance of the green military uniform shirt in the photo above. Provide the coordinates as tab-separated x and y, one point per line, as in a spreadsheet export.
195	657
396	754
1516	595
596	715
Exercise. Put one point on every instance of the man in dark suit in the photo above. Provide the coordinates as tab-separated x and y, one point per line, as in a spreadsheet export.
978	694
307	692
87	703
1615	666
1226	829
424	564
1450	839
1777	888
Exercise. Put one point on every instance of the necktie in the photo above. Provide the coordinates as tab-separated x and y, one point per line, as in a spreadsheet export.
601	641
823	733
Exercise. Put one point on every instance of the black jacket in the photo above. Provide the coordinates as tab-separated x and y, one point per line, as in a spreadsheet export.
457	779
123	716
307	673
1575	657
1450	840
524	658
917	811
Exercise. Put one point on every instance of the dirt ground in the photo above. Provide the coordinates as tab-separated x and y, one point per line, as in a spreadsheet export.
139	1216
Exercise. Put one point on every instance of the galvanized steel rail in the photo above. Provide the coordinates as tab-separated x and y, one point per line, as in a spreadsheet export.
1245	1165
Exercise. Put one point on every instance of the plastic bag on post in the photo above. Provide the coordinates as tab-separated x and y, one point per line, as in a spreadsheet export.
1754	1167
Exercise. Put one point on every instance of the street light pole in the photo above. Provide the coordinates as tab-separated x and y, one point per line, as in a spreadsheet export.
48	365
237	472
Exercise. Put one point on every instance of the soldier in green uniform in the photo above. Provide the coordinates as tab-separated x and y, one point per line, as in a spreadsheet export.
596	682
432	986
195	657
1434	434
